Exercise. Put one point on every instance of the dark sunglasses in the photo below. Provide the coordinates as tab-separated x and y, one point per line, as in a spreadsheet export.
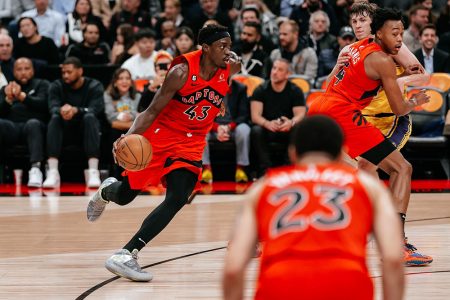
163	66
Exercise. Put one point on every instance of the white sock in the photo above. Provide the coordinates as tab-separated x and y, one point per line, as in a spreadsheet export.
52	163
93	163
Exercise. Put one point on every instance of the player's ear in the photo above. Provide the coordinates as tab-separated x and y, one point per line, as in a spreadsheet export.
205	47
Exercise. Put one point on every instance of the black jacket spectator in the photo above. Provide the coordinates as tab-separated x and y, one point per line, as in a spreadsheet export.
45	50
35	105
90	55
301	15
89	98
441	60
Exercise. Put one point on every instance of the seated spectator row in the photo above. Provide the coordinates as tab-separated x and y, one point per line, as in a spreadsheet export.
48	116
311	38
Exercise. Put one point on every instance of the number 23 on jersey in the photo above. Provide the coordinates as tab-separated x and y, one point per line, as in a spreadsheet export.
330	212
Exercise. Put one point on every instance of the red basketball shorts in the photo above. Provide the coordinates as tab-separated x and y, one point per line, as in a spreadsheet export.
171	150
360	136
297	280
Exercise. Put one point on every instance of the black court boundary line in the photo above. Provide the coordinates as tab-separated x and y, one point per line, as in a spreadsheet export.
102	284
427	219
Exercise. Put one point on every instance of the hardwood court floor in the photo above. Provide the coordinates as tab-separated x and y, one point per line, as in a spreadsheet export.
49	251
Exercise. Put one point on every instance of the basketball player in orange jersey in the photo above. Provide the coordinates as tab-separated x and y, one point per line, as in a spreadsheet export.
396	129
176	123
314	218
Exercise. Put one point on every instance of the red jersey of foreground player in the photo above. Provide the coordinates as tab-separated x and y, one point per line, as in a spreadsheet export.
179	130
313	224
348	93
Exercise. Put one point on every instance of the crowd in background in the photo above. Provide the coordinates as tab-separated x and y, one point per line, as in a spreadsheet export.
132	43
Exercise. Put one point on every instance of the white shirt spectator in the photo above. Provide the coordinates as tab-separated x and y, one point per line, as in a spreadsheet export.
428	61
50	24
140	67
6	9
3	80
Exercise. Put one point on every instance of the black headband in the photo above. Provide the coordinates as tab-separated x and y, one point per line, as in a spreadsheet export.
216	36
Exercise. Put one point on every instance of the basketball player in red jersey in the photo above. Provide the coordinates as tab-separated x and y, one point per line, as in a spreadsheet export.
314	218
176	123
353	88
395	128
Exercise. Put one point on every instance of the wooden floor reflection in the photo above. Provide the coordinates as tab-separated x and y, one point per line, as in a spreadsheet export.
49	251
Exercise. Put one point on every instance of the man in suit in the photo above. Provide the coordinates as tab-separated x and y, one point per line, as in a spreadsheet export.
433	59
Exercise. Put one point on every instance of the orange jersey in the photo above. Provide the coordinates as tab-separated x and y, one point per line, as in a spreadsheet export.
197	103
313	225
178	134
351	82
348	93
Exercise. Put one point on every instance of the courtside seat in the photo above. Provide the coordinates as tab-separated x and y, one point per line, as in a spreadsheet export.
302	82
427	148
251	82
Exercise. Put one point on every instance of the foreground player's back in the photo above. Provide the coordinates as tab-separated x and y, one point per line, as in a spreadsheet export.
313	223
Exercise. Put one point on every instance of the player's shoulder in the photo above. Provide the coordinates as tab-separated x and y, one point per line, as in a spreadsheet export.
179	71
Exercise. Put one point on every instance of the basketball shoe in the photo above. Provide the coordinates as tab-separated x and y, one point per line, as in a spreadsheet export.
124	264
97	204
240	176
207	176
413	258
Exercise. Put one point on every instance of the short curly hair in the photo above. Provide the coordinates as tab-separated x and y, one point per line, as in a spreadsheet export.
382	15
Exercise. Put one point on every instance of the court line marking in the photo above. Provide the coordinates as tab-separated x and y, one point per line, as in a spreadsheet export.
418	273
103	283
428	219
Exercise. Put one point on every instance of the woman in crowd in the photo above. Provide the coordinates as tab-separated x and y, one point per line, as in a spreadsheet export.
121	101
184	41
77	20
124	47
163	59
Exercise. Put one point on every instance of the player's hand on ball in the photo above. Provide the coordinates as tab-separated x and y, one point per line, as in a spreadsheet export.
114	149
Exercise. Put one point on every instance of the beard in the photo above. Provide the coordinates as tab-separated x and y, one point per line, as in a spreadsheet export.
247	47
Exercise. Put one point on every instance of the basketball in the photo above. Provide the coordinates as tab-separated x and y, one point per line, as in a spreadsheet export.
134	152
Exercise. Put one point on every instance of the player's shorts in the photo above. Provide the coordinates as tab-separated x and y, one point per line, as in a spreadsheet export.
171	150
361	137
296	280
397	129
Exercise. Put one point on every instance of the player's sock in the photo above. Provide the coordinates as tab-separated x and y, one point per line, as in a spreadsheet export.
403	219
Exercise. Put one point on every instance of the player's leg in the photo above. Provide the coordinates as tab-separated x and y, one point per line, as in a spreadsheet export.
364	164
400	171
180	185
242	140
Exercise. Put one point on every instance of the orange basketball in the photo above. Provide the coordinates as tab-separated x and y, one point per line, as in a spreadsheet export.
134	152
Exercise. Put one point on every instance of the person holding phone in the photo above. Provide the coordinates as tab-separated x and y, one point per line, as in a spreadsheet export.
163	59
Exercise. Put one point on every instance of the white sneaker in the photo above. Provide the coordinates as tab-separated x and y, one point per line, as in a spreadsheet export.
93	178
97	204
124	264
52	180
34	177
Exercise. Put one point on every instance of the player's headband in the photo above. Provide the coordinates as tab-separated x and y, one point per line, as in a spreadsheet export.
216	36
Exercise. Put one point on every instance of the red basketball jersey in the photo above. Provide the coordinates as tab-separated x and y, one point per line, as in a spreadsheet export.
313	224
194	107
351	82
